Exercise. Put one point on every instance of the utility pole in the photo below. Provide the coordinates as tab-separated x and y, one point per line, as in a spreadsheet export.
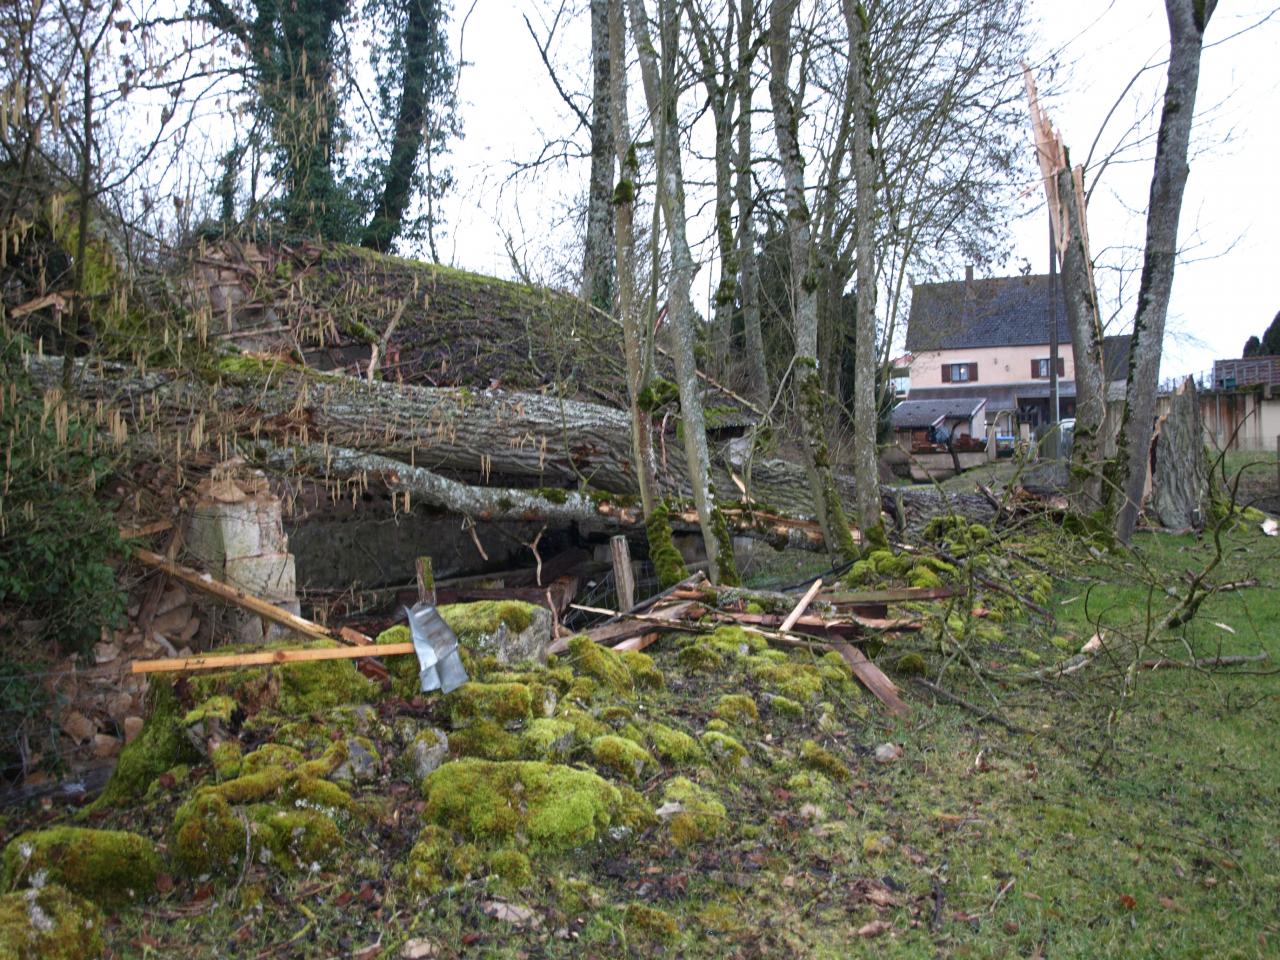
1054	405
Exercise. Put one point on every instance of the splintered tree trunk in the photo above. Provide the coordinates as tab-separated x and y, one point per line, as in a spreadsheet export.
1180	468
635	334
866	468
597	261
810	405
1187	22
1064	189
660	94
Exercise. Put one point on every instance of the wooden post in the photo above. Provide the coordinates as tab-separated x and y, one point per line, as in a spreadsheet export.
426	581
1278	463
624	575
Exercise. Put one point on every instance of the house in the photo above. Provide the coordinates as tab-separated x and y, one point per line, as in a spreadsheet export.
916	454
989	339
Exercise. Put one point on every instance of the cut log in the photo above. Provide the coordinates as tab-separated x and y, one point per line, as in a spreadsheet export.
1180	471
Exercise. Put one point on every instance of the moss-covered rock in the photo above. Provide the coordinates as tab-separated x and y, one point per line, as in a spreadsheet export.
427	868
511	868
425	752
296	840
585	726
785	707
673	746
363	763
49	924
551	807
162	744
910	665
644	674
502	703
822	760
601	664
624	757
724	750
272	755
208	836
693	813
296	690
737	708
109	867
486	740
549	739
698	657
508	630
798	681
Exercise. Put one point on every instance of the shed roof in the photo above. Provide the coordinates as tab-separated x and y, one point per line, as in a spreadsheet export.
917	414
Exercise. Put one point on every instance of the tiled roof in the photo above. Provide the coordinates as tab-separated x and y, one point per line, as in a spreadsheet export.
916	414
997	312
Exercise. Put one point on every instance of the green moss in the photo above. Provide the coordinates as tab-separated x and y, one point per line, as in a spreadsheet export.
634	813
724	750
601	664
427	869
218	707
475	621
718	725
644	674
798	681
673	746
208	836
272	755
910	665
297	690
329	798
666	559
701	816
49	924
735	641
657	394
295	839
161	745
923	577
822	760
737	708
624	757
552	807
650	925
109	867
786	707
556	495
511	867
486	740
726	564
700	657
503	703
585	727
547	739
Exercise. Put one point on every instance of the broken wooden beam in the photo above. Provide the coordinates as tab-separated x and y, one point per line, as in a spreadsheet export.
269	658
890	595
800	607
873	678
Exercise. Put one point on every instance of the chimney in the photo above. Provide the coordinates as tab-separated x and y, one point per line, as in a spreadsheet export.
968	275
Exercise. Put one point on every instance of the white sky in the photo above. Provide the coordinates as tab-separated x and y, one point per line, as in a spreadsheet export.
1228	291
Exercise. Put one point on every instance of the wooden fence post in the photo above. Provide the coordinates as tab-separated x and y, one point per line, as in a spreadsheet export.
624	577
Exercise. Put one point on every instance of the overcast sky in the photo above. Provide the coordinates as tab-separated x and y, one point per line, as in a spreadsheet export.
1226	291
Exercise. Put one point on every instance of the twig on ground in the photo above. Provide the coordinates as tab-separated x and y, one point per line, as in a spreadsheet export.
965	704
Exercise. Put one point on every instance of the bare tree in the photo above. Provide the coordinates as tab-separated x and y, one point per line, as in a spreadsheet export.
1187	22
597	261
658	75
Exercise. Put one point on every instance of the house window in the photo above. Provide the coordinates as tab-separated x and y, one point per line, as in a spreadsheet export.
959	372
1040	368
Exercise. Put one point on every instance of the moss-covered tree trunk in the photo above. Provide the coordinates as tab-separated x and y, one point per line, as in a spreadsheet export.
810	403
661	93
866	468
597	258
636	336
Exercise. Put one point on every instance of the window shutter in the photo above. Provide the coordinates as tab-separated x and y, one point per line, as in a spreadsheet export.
973	372
1035	369
946	373
1062	367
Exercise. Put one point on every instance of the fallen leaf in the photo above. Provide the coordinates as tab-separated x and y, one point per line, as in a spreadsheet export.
669	809
888	752
164	883
1094	644
420	950
1011	927
1223	626
510	913
874	929
1170	904
1128	902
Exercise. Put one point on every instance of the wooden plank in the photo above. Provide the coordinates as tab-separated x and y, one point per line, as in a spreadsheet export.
624	576
800	607
270	658
638	643
634	625
216	588
892	595
873	678
147	530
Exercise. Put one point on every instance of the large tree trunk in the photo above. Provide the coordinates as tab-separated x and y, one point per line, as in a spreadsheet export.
810	406
661	95
1187	21
597	260
1064	189
866	467
637	343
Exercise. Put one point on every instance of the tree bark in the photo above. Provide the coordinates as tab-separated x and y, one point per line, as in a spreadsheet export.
661	95
1187	22
866	466
597	260
636	336
1180	472
748	276
810	406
